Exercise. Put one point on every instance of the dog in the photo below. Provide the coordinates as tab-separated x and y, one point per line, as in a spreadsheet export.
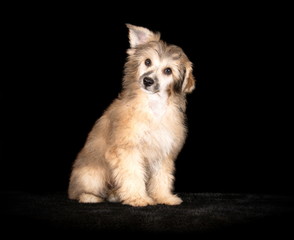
129	155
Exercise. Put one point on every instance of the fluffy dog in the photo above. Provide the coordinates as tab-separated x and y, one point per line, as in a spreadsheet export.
129	154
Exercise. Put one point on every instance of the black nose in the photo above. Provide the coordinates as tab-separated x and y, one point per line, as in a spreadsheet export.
148	81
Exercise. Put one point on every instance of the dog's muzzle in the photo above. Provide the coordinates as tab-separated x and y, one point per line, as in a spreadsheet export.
150	84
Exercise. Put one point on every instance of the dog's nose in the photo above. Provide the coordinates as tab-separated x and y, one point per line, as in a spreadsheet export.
148	81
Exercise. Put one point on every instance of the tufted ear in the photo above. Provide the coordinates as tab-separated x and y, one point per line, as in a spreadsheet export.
141	35
189	81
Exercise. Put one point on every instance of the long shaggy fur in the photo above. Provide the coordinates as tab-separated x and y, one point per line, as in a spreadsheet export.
129	154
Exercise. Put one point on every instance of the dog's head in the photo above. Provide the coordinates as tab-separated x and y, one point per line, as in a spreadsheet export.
155	66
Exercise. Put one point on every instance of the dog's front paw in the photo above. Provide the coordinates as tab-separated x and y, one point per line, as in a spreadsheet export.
139	202
169	200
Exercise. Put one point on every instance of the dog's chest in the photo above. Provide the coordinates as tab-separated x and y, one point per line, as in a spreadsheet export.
157	105
160	132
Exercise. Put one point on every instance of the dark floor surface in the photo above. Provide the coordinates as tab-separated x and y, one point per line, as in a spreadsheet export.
201	214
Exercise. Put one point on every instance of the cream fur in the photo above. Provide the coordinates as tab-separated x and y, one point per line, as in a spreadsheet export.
129	154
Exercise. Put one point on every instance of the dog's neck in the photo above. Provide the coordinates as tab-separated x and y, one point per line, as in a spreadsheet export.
158	103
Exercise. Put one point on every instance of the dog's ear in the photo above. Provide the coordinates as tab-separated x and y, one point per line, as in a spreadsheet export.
189	81
141	35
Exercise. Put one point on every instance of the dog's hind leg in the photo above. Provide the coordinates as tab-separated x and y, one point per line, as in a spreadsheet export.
89	198
88	184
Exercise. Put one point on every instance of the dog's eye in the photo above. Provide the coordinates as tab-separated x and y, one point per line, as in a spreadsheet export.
148	62
167	71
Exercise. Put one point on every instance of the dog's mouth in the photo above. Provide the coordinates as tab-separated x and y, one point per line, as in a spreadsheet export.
151	89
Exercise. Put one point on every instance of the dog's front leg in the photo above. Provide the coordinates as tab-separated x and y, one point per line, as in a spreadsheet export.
129	175
160	185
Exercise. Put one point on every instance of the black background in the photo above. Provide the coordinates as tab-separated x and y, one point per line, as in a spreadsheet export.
65	64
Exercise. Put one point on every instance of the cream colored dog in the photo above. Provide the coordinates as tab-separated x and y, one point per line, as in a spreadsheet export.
129	154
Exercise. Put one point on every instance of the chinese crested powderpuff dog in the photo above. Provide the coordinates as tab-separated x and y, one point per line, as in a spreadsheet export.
129	154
